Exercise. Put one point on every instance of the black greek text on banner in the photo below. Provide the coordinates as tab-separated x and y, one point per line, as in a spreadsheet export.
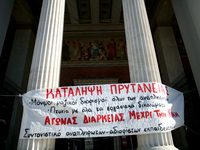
101	110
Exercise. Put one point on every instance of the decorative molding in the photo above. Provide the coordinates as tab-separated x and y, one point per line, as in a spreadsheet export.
93	27
94	30
95	81
94	63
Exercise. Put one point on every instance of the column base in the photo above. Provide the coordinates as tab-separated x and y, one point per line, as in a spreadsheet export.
156	141
158	148
36	144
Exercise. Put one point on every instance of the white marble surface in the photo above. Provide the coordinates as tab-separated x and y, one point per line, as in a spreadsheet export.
143	66
45	69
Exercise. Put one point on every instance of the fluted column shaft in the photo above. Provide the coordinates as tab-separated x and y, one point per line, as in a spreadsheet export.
143	66
45	68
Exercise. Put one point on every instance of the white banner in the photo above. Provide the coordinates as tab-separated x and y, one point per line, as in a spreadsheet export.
101	110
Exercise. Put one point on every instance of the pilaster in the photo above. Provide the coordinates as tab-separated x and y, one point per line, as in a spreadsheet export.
168	55
187	15
5	13
17	77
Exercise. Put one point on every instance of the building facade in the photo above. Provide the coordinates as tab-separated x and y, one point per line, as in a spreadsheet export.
51	43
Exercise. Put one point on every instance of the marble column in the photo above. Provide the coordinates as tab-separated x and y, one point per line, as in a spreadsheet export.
143	66
45	68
